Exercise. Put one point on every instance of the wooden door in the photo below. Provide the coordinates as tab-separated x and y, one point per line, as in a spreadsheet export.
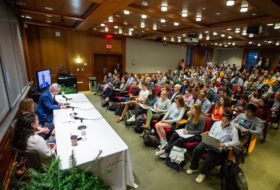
103	64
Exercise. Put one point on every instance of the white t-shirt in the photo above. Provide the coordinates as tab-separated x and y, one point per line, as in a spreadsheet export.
143	94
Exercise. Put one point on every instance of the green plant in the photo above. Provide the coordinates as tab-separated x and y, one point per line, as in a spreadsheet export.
52	178
68	90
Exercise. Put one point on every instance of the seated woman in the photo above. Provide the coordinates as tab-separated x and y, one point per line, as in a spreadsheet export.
25	138
162	105
255	97
195	126
27	105
143	94
219	108
174	114
236	95
241	104
188	98
149	102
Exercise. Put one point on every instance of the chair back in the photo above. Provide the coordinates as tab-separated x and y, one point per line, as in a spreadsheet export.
207	123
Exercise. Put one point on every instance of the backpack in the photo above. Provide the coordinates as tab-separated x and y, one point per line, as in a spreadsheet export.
150	139
112	107
104	103
173	165
119	109
139	123
128	116
232	177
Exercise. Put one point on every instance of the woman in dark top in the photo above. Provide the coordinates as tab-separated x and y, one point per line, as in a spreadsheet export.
194	126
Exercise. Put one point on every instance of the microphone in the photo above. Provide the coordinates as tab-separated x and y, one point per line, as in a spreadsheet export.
66	98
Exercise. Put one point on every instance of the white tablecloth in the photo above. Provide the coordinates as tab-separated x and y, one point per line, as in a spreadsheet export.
100	136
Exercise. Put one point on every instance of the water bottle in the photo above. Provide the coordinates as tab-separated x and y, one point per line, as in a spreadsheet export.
83	134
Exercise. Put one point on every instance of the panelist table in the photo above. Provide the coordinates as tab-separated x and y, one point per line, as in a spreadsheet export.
115	156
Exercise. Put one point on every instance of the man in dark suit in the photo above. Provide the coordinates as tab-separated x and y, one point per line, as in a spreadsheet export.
47	104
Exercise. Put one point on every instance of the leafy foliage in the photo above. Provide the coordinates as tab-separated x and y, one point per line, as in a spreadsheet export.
52	178
68	90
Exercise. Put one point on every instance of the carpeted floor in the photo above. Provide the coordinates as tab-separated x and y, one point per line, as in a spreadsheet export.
262	169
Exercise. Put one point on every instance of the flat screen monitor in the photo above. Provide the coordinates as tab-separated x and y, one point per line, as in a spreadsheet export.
44	78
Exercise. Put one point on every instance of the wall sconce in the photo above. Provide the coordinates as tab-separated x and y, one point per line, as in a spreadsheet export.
78	60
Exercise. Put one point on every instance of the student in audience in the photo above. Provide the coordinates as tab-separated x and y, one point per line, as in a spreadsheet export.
162	105
248	122
219	109
143	94
27	106
221	130
25	138
173	115
176	92
204	102
255	97
236	95
194	126
188	98
47	104
241	104
275	109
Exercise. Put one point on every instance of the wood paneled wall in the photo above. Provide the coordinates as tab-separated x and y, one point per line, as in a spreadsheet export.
201	55
47	50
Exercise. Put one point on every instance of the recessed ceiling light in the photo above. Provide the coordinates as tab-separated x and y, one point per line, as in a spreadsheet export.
233	43
143	16
218	13
237	30
102	24
176	23
223	35
22	16
154	26
229	37
277	43
203	8
216	44
244	6
130	32
198	17
259	44
125	23
269	42
126	12
94	28
144	3
164	6
207	37
206	32
184	12
244	31
116	27
142	24
270	24
200	36
120	30
230	3
48	21
220	44
28	17
179	39
164	38
251	35
277	26
162	20
49	8
50	16
229	29
172	39
110	19
229	43
215	33
254	14
106	29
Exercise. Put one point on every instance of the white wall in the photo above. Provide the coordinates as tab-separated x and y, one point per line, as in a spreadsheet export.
150	56
229	56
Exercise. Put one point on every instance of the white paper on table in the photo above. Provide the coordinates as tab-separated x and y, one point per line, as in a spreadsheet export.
180	132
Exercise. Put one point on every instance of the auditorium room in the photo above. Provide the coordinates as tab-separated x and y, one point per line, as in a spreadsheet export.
139	94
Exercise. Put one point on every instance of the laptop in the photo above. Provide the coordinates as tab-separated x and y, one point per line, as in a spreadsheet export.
211	142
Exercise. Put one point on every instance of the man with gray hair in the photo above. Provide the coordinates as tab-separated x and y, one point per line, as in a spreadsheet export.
47	104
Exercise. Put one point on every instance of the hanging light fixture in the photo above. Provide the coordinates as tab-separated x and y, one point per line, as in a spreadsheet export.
215	33
130	32
244	6
200	36
230	3
237	30
106	29
176	23
162	20
244	31
120	30
179	39
143	16
277	43
126	12
207	37
164	6
184	12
